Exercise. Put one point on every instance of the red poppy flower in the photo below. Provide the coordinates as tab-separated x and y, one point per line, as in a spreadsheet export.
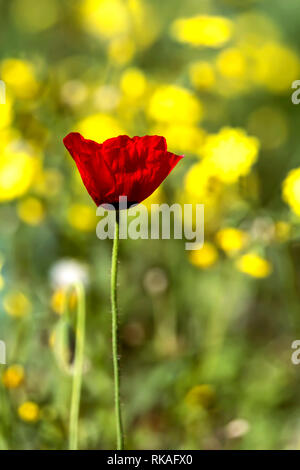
121	166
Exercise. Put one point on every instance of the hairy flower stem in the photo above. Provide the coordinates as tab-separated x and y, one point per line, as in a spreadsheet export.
114	271
78	366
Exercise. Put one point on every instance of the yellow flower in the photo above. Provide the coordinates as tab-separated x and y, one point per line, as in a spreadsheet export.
201	184
145	23
182	137
121	50
230	153
16	304
202	75
203	30
291	190
201	395
133	83
275	66
31	211
6	115
82	217
253	265
17	169
99	127
231	239
13	377
232	63
105	18
29	412
171	103
19	76
59	299
205	257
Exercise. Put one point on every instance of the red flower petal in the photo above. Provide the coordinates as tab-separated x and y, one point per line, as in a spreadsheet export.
121	166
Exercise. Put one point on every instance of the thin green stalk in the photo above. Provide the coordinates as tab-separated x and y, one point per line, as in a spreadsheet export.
78	366
114	309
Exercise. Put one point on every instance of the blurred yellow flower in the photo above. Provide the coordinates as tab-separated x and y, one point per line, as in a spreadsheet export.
121	50
201	395
171	103
230	153
254	265
29	412
205	257
13	376
144	22
99	127
2	282
30	18
275	66
182	137
9	137
201	184
31	211
202	75
6	115
231	63
203	30
17	170
16	304
291	190
19	77
105	18
231	239
59	299
82	217
133	83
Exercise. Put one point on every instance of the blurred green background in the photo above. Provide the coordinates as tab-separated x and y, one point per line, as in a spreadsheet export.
205	335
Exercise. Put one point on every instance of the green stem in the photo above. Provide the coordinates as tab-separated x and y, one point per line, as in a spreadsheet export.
114	271
78	366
